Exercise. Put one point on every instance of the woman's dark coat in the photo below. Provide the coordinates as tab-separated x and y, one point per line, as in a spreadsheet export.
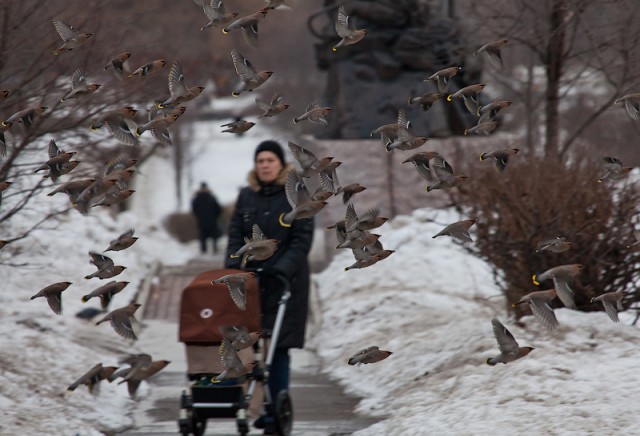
263	205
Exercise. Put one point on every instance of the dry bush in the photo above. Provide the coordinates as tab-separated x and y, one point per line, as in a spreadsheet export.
182	226
537	199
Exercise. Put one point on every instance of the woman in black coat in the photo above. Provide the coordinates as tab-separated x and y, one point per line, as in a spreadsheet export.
262	202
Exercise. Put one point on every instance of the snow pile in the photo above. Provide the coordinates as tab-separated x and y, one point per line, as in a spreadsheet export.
43	353
431	303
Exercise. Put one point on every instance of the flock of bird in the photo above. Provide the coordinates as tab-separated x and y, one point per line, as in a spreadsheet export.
353	232
106	189
141	366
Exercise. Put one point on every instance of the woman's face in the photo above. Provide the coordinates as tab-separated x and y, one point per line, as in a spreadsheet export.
268	167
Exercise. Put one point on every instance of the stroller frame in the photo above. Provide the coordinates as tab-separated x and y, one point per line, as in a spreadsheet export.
194	410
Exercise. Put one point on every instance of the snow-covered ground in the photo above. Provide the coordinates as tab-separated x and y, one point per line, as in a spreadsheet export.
430	303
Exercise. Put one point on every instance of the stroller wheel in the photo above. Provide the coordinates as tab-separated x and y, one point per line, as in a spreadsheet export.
284	413
198	426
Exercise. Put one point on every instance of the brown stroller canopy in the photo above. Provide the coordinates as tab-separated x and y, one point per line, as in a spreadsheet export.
205	307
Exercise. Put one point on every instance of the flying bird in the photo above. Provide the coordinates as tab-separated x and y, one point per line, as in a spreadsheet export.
57	159
540	304
149	68
631	105
369	220
490	111
71	37
507	344
238	127
250	79
458	230
180	92
79	86
92	377
120	123
346	29
315	113
561	275
555	245
425	100
614	169
119	64
482	129
239	336
237	287
299	198
106	267
500	157
121	320
469	95
122	242
105	293
53	294
493	51
215	12
140	371
273	107
430	165
308	161
371	354
258	247
443	77
159	128
233	366
406	140
25	116
612	302
249	26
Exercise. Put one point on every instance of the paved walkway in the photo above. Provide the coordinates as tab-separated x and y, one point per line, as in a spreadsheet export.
320	406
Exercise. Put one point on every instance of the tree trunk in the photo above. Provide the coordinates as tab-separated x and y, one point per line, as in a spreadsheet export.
554	64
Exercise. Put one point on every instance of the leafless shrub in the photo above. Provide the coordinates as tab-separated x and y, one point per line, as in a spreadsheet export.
536	199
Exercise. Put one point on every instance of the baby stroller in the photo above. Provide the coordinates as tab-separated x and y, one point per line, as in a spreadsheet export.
203	309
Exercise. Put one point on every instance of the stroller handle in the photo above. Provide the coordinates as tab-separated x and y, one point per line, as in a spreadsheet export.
284	280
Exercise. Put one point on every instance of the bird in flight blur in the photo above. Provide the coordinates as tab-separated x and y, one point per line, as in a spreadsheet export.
215	12
371	354
631	105
315	113
250	79
500	157
612	302
178	89
149	68
458	230
53	294
346	30
237	284
509	348
249	26
71	37
493	51
540	304
273	107
443	78
79	86
555	245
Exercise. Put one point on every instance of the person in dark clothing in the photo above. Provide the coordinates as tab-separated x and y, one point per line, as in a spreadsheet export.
206	209
262	202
